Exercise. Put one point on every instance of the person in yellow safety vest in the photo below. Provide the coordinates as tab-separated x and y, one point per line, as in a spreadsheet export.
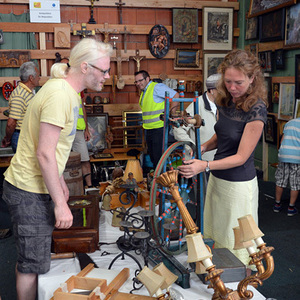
79	145
152	103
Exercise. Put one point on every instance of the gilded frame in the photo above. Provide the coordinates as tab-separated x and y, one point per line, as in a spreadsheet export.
187	59
286	101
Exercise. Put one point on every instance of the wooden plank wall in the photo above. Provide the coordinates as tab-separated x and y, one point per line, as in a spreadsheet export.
138	17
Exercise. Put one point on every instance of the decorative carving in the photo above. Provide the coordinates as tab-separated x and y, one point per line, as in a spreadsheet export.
62	37
13	59
159	41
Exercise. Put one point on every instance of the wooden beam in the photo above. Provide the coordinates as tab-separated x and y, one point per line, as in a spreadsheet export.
129	79
134	29
42	38
144	4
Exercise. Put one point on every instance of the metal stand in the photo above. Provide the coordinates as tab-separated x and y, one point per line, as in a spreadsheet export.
137	240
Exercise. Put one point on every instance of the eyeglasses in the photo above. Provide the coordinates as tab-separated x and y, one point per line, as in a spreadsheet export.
138	81
103	71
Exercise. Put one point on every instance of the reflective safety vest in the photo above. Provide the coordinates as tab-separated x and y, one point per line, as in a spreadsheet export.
80	123
151	110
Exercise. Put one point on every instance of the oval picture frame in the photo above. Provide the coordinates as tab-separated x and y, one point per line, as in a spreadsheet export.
159	41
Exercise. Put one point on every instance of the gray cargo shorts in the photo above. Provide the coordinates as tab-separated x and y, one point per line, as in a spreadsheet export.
33	220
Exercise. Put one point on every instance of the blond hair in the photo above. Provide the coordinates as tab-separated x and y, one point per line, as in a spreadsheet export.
87	50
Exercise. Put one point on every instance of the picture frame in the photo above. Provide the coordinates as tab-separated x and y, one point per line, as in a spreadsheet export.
185	25
270	130
211	64
271	26
292	39
297	76
279	59
286	101
280	127
297	109
251	29
275	92
133	136
187	59
268	82
97	124
259	7
217	28
159	41
103	155
266	60
1	37
253	49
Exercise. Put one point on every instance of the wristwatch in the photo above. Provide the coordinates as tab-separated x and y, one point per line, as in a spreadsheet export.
207	169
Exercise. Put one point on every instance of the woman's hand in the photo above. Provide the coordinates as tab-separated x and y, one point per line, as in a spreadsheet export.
192	167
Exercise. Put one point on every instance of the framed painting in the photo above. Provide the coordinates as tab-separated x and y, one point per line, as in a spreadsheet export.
185	25
133	135
187	59
251	29
266	61
292	38
286	101
270	130
259	7
253	49
279	59
275	92
217	28
271	26
297	109
97	125
211	64
297	76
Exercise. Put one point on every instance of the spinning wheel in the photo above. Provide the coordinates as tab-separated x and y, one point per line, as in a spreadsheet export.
167	224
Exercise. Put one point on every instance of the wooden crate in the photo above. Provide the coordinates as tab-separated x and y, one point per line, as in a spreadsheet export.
83	236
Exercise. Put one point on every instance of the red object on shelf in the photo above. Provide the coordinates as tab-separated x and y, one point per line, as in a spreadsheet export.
7	89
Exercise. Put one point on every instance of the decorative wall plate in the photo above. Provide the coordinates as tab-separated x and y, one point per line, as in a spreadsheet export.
7	89
159	41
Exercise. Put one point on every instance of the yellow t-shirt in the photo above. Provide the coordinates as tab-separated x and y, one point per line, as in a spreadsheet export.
56	103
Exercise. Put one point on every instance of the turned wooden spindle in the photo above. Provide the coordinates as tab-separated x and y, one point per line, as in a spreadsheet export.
169	179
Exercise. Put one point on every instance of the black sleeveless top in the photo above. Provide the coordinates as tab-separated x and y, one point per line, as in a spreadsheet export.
229	129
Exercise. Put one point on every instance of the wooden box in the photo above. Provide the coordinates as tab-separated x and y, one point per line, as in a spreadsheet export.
83	236
234	269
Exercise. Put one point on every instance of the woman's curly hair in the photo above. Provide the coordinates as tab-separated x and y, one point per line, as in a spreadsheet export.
247	63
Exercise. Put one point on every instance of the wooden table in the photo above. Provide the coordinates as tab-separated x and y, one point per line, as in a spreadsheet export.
117	154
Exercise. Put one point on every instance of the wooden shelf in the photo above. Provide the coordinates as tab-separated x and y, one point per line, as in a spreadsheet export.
143	4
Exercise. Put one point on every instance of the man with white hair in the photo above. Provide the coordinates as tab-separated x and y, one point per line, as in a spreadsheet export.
18	103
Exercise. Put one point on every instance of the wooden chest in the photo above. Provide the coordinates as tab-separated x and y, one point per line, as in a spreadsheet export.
83	236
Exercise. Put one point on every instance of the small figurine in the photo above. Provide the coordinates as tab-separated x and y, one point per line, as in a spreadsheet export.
131	181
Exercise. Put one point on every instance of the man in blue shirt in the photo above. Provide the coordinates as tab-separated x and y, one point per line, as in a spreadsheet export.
152	103
288	170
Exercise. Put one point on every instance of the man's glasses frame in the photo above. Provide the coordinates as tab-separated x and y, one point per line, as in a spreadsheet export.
138	81
103	71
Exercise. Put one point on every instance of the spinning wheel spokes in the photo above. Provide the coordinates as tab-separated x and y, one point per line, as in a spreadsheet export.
167	223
